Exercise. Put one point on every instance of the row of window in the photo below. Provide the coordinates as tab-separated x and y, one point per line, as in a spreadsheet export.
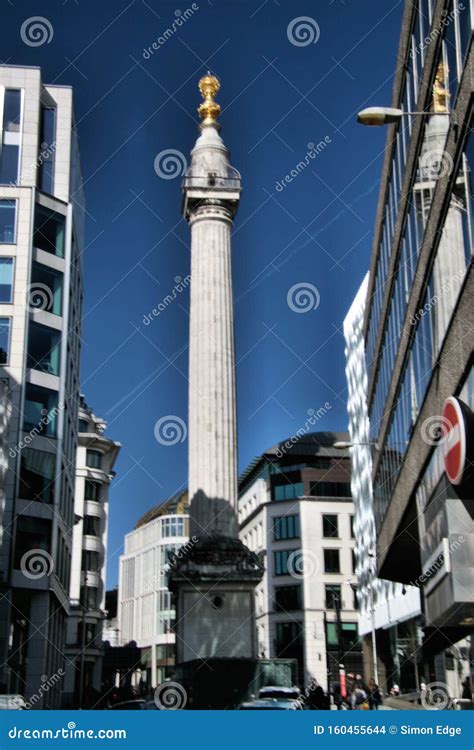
288	527
317	489
288	598
291	562
457	35
454	251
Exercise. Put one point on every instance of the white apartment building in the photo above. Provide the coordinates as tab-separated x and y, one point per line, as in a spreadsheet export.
96	456
41	238
145	611
296	510
383	604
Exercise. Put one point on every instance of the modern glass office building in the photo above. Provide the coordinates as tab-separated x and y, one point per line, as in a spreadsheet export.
41	238
419	328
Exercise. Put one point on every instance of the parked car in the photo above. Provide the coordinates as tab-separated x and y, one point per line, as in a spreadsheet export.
12	703
136	704
270	704
278	691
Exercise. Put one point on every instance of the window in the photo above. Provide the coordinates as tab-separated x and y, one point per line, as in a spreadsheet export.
6	279
92	491
43	349
331	561
287	598
83	425
355	600
31	534
91	527
4	340
289	640
49	231
352	526
37	475
7	222
47	149
333	597
330	527
41	407
288	491
286	527
354	561
89	597
281	561
49	287
348	636
172	527
90	561
330	489
93	459
10	137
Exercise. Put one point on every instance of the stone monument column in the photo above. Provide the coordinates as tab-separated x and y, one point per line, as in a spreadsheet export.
215	575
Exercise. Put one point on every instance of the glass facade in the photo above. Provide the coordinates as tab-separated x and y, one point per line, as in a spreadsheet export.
41	410
37	475
49	286
47	150
6	279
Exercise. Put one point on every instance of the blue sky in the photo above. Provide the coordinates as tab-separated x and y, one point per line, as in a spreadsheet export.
277	97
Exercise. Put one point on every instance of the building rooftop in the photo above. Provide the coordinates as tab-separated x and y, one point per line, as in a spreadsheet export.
177	504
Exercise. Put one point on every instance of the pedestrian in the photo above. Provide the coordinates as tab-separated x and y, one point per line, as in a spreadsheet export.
374	695
466	689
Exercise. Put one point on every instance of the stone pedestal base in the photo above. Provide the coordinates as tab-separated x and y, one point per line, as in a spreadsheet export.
214	586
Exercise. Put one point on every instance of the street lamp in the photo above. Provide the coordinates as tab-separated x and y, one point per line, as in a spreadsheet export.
387	115
344	444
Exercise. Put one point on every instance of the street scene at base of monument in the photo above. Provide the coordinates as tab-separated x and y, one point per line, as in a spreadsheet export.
236	362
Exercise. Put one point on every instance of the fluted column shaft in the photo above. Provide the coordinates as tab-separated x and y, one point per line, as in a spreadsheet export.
212	410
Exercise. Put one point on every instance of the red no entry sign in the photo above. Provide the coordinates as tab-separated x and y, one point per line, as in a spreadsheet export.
454	439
